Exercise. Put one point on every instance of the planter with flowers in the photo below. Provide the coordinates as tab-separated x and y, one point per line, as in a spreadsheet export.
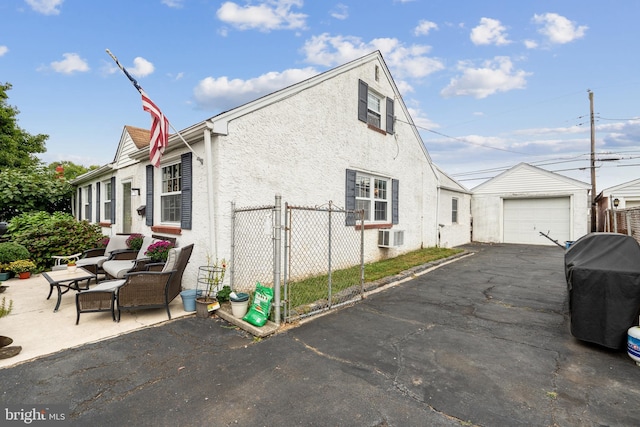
134	241
71	266
23	268
159	251
5	273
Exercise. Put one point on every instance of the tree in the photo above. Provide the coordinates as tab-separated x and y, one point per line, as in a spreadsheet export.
32	190
69	169
17	147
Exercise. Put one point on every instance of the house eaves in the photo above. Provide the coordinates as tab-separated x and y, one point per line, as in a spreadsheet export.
219	124
92	174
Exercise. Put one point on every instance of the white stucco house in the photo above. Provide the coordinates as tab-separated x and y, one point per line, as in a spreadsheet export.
520	203
344	135
454	211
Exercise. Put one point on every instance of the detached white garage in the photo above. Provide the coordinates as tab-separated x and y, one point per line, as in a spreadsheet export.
525	201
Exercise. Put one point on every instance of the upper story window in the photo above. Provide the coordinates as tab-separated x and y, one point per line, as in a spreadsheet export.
171	196
372	196
106	205
454	210
374	109
374	102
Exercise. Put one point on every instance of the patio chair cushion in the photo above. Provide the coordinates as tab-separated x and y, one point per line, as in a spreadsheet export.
109	285
118	268
172	258
116	242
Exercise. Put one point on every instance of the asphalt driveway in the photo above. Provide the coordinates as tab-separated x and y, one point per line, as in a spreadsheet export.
483	340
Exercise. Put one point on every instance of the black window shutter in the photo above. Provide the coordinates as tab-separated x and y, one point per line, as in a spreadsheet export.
350	197
395	184
97	202
390	115
149	209
186	197
80	206
113	200
90	202
363	91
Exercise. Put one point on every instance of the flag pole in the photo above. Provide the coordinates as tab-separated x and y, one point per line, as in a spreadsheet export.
139	88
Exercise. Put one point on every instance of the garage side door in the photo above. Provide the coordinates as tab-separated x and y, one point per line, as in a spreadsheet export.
524	219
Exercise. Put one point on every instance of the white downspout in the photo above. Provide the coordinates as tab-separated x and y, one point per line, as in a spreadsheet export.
208	154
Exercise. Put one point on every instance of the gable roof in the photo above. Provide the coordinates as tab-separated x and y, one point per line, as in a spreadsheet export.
139	136
448	183
625	189
524	177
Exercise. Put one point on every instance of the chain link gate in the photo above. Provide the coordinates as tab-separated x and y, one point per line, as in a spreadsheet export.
324	260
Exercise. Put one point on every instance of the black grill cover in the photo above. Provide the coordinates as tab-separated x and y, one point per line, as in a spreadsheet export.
603	280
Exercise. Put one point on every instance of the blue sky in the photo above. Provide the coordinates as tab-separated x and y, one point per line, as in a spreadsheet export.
490	83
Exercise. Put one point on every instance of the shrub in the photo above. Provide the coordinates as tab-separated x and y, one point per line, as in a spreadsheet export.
134	241
45	235
11	251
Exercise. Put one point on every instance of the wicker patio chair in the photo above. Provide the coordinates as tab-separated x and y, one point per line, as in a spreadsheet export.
154	289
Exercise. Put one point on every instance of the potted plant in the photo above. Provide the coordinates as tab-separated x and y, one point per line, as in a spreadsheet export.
5	273
159	251
134	241
5	351
211	276
23	268
9	252
71	266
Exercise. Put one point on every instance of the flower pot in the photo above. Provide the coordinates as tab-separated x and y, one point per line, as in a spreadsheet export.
205	305
189	299
5	275
24	275
71	268
239	304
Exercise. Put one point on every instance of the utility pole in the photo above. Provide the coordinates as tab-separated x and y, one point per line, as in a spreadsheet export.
593	165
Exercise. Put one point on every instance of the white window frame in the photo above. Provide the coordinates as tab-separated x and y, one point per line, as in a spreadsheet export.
374	108
454	210
106	201
86	202
171	193
373	195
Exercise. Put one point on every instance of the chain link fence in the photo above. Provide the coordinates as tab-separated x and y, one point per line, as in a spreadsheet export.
324	265
322	261
252	258
624	221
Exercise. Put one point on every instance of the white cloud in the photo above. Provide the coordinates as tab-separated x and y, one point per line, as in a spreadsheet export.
340	11
405	61
266	16
177	4
46	7
222	94
530	44
490	31
424	28
497	75
70	64
3	50
141	67
558	29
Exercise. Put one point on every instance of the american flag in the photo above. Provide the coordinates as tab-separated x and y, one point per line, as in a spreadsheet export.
159	129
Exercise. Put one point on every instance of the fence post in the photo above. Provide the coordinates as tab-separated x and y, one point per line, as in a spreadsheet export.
628	218
277	254
233	246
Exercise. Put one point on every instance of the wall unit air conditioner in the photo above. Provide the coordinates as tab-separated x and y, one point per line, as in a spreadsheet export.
390	238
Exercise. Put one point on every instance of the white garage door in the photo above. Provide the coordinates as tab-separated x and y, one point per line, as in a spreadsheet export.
524	219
